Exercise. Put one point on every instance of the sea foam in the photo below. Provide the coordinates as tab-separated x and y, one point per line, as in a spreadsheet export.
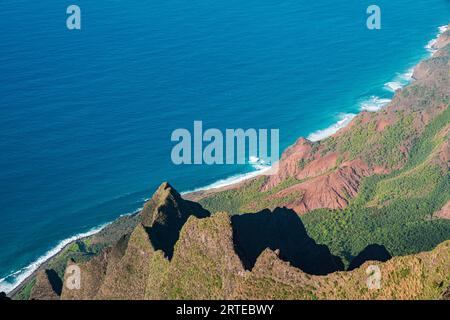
11	281
373	104
400	80
403	79
344	120
258	167
431	45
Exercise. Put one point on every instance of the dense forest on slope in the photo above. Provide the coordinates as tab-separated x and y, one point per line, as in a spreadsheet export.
394	210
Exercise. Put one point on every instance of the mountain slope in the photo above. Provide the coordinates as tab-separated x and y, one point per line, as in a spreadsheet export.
205	265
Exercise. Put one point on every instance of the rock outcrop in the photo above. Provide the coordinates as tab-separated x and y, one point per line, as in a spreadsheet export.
265	255
48	286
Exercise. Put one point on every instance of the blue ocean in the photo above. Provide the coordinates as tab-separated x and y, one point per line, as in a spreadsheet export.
86	115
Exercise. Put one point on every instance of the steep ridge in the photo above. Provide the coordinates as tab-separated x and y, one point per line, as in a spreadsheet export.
164	215
422	276
161	221
121	271
92	275
205	265
48	286
210	261
204	251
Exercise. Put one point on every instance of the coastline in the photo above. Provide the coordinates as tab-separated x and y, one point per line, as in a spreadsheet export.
371	105
30	271
27	277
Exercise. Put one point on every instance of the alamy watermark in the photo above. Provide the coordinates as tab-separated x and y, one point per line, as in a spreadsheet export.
234	146
73	21
374	20
374	277
73	277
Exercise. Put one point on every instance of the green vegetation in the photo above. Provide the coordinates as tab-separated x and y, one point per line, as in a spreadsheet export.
248	198
392	210
328	145
430	139
302	163
377	148
78	251
424	96
416	183
25	293
200	267
355	142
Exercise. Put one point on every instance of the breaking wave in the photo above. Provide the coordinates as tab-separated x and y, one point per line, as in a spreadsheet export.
344	120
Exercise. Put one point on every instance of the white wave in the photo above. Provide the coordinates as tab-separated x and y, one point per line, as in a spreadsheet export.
257	163
144	200
344	120
443	29
10	282
431	44
393	86
400	80
407	76
373	104
259	169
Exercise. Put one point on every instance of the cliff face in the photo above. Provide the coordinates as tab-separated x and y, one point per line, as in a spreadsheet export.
206	265
377	190
122	272
165	214
207	259
47	287
410	277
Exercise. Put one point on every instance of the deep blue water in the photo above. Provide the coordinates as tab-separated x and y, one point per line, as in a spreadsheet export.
86	116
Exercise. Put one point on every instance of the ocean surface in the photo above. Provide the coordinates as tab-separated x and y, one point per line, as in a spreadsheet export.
86	115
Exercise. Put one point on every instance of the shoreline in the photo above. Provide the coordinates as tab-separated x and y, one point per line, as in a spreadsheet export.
368	104
372	104
42	266
30	271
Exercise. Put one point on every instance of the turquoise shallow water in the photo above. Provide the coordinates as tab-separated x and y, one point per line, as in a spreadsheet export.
86	116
